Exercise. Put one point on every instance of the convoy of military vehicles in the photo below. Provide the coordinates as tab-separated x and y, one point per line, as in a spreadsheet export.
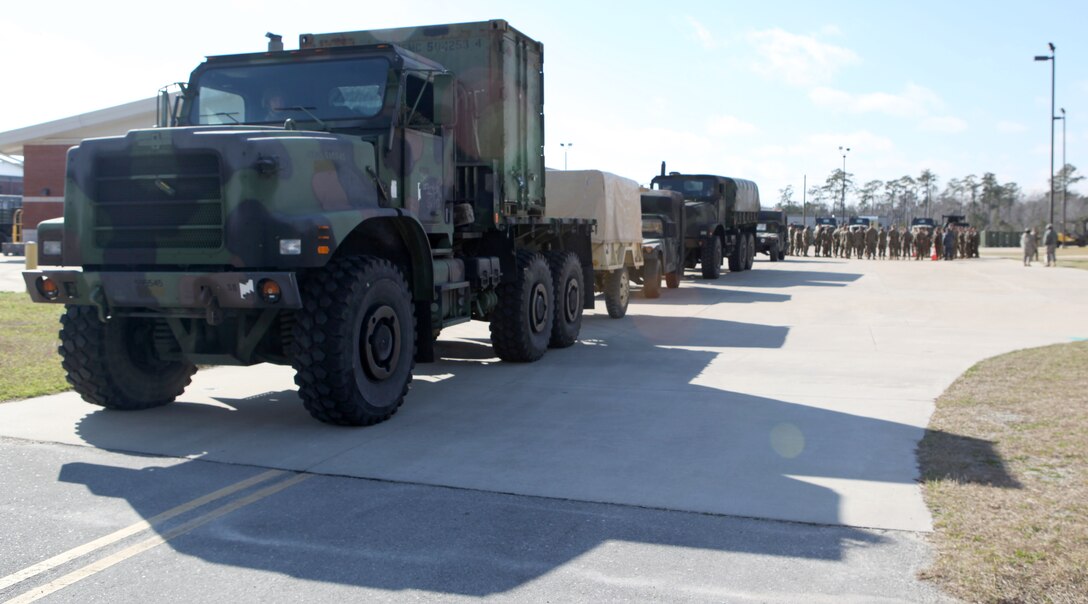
333	208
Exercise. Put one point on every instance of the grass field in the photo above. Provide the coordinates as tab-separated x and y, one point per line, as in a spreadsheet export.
1070	257
29	364
1005	471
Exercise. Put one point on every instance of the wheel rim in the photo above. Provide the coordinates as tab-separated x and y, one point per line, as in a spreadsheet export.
625	287
571	295
381	343
538	308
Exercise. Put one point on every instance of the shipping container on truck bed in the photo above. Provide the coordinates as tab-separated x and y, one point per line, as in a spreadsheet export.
331	208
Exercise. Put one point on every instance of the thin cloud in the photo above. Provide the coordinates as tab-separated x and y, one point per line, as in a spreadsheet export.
702	34
796	59
727	125
1006	127
914	101
944	125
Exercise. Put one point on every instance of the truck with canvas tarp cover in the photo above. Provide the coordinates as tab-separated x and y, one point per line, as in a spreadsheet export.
721	214
331	208
613	202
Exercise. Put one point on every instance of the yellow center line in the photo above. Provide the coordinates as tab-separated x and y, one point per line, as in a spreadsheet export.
96	567
82	550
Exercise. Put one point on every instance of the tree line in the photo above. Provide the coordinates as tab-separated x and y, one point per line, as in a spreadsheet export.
985	201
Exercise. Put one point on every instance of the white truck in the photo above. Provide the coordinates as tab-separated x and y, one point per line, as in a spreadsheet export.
615	203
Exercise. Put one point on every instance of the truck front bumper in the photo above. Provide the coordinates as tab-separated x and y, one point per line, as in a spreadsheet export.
166	290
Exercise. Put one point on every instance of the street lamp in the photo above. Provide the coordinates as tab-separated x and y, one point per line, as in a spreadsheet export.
1052	57
844	151
1065	174
566	147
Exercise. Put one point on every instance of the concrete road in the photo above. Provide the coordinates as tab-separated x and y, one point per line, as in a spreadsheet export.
795	392
11	277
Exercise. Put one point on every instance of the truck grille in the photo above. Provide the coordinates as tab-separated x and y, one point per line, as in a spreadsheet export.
158	201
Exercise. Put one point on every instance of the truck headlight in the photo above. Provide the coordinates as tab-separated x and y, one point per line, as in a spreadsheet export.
51	248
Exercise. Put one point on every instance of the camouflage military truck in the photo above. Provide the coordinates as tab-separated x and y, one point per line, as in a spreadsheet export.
331	208
770	234
922	223
662	240
721	215
858	223
613	202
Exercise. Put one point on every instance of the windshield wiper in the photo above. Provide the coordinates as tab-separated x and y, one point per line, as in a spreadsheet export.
305	110
223	114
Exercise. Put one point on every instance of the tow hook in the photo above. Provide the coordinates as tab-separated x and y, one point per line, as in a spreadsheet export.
212	313
98	298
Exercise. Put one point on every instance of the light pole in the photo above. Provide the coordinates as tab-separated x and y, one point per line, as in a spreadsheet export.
1065	174
566	147
1052	57
844	151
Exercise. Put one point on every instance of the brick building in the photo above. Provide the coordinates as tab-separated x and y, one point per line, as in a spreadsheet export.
44	147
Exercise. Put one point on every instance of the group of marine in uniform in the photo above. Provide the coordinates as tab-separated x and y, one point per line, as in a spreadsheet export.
918	242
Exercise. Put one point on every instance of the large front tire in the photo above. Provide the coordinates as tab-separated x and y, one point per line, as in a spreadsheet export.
567	277
521	325
115	364
712	258
750	251
617	292
651	277
354	341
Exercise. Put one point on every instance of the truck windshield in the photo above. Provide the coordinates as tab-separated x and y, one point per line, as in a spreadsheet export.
307	90
690	188
652	228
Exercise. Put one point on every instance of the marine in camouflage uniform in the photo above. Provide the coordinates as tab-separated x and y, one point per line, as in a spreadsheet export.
835	242
859	243
882	243
893	243
871	238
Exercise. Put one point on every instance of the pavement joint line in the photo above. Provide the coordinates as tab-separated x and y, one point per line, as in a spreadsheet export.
113	559
133	529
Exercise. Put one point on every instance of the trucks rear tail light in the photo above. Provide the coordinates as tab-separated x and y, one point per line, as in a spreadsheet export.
48	288
290	247
270	291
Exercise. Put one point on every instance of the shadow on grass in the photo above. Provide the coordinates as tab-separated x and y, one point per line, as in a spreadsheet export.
962	459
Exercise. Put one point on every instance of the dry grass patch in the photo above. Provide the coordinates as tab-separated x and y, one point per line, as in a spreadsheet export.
1005	466
29	363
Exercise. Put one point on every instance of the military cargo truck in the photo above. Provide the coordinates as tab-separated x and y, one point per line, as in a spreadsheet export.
331	208
721	215
613	202
771	234
662	240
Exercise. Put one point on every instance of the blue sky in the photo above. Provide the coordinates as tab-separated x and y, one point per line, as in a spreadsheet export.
766	91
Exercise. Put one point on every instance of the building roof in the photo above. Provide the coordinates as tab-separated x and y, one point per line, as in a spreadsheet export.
70	130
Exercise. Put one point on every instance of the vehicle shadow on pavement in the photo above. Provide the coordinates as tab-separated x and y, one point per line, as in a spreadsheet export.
545	463
790	278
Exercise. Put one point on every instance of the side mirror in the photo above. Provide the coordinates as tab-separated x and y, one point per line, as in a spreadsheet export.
445	100
162	111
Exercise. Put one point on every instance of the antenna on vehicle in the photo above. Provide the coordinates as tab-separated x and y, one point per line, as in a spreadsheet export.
275	42
662	168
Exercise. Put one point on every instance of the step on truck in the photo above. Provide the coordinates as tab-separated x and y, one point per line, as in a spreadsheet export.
721	214
613	202
331	208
